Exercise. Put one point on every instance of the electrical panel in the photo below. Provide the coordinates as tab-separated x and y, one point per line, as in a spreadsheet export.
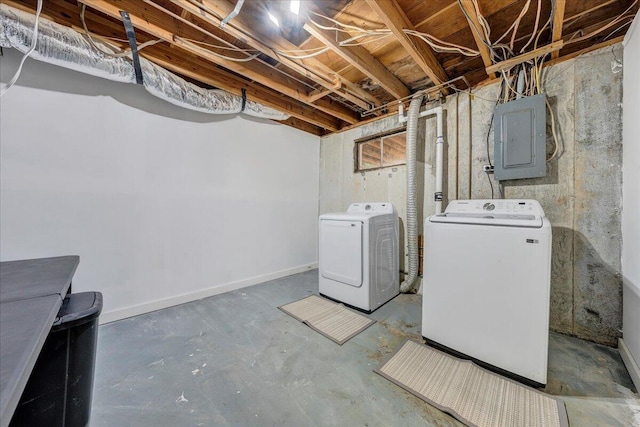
520	138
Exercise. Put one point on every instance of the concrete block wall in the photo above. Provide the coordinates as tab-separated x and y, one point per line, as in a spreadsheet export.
581	193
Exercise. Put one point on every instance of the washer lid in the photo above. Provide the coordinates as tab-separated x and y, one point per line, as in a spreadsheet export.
491	219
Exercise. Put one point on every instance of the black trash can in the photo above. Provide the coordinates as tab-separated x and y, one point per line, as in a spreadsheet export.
58	392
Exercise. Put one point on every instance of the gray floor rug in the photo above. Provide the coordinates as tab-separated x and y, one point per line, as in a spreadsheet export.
334	321
473	395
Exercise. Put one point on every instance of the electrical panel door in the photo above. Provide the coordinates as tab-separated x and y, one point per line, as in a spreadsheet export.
520	138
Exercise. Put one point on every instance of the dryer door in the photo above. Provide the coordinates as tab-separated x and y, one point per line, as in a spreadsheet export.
341	251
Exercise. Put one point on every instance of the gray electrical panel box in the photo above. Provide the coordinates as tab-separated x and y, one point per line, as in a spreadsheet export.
520	130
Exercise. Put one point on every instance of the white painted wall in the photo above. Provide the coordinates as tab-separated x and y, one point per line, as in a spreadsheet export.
631	196
162	204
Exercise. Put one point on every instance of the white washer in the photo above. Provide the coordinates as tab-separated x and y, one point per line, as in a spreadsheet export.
486	285
358	257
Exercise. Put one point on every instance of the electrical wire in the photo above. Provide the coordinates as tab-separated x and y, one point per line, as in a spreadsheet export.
473	25
599	30
236	49
516	22
553	132
373	38
535	27
620	27
489	154
441	45
34	42
490	184
121	53
482	21
343	25
515	30
437	44
217	55
310	55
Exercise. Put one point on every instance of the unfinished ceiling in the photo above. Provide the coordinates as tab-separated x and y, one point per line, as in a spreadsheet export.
339	63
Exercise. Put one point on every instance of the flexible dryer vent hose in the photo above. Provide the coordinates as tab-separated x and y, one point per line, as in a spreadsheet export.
412	204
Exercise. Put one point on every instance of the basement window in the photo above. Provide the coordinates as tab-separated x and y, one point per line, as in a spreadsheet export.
381	151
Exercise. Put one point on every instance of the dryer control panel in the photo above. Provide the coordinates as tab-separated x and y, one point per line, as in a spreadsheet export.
377	208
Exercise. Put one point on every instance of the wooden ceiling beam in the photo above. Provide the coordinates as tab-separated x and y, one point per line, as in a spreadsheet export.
233	84
397	21
474	24
303	126
243	28
360	58
189	8
317	94
577	53
558	18
245	34
333	109
191	66
512	62
266	76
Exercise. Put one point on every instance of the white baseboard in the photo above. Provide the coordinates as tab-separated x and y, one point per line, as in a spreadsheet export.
630	363
112	316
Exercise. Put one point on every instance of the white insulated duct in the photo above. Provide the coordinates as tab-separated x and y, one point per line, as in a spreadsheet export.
412	205
65	47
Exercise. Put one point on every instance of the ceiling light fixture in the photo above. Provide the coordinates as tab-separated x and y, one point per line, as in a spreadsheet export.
273	19
295	6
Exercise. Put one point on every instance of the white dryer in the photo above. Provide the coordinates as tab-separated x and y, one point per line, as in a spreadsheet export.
358	256
486	285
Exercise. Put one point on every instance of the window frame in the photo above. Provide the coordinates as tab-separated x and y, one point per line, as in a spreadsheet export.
381	135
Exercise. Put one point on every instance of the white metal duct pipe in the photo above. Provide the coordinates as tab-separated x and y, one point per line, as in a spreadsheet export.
62	46
412	205
438	193
437	196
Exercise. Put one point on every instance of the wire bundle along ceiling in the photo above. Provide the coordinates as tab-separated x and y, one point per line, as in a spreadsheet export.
330	65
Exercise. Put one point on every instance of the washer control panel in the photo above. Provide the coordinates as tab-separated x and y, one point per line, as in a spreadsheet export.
496	206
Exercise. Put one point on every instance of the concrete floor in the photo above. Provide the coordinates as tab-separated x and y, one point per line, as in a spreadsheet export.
236	360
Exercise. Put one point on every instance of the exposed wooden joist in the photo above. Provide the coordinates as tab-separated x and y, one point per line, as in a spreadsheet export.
231	83
189	8
243	28
396	20
303	126
511	62
318	94
577	53
327	106
266	76
360	58
558	18
191	66
474	24
252	40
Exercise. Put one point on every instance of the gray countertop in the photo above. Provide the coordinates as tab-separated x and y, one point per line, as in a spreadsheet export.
31	293
36	277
